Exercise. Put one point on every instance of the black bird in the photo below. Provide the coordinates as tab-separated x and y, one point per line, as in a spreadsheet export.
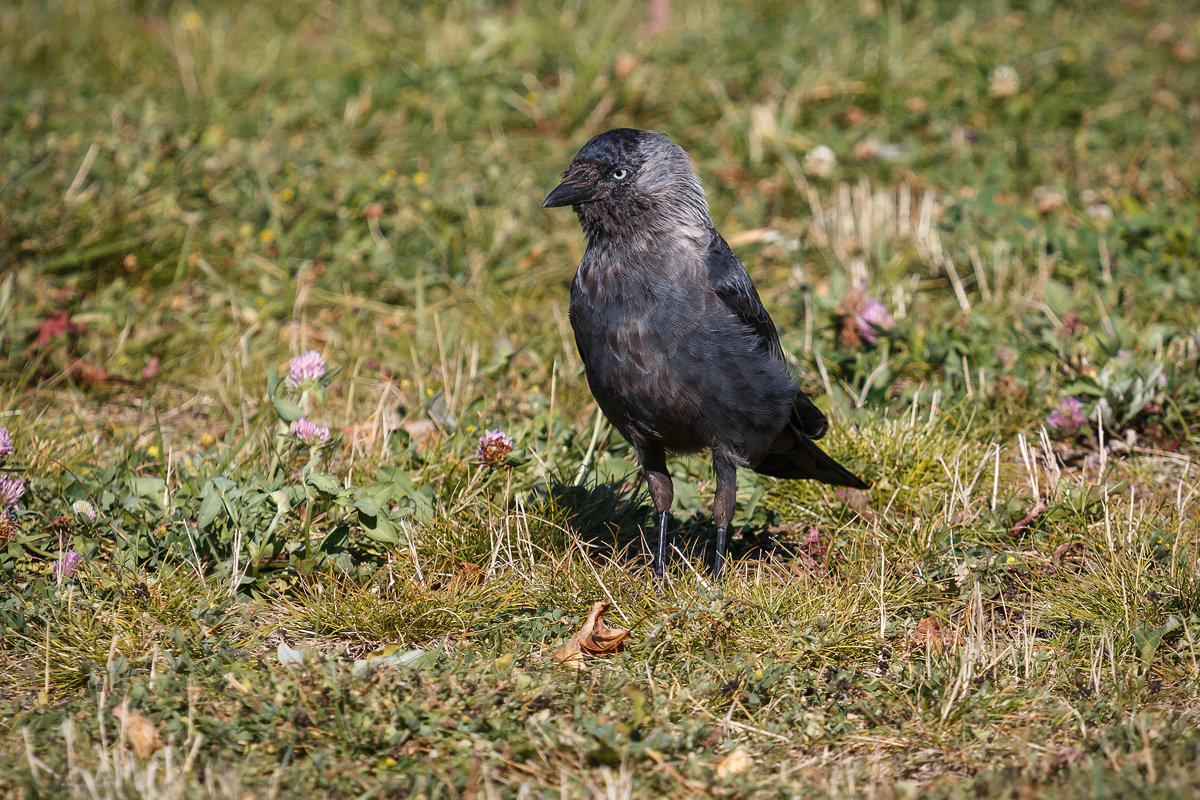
678	349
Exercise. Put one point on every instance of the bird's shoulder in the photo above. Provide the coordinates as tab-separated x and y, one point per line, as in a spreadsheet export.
730	282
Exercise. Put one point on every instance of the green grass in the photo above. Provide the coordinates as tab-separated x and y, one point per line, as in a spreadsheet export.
209	191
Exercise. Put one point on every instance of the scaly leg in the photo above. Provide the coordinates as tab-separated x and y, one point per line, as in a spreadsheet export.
725	470
661	492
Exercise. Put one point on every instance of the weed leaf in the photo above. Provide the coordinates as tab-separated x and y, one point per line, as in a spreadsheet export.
287	410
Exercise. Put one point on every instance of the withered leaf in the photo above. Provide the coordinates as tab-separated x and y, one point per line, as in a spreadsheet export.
595	638
932	634
139	731
859	502
1039	508
419	430
735	763
87	374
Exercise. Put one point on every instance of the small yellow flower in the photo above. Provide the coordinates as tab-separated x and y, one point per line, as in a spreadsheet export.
152	451
266	236
260	300
420	179
288	194
207	440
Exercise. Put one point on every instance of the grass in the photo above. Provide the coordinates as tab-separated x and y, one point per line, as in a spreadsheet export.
192	196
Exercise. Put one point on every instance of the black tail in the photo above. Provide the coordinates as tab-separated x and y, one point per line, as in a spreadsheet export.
796	455
806	460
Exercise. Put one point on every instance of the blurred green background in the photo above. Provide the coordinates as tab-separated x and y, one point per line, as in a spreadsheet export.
193	194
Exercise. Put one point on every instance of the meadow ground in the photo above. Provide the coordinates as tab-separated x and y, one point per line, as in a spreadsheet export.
198	603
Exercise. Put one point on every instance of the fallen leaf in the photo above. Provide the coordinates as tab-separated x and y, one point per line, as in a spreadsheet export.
1038	509
715	738
932	634
1071	554
419	430
859	501
593	639
390	658
86	374
735	763
290	655
139	731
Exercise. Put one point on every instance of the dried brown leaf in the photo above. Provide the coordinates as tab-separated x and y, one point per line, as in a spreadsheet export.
595	638
139	731
1071	554
735	763
419	429
1039	508
858	501
87	374
932	634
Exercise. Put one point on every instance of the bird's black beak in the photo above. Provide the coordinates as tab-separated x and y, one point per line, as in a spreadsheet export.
567	195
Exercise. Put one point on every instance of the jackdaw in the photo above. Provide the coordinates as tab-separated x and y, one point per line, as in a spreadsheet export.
678	349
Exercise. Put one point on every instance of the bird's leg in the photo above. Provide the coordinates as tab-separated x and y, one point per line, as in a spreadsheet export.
725	470
661	492
664	521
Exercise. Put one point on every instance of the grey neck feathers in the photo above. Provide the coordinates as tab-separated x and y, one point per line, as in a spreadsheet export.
669	203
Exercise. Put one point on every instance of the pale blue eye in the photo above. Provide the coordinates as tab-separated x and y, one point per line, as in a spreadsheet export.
620	174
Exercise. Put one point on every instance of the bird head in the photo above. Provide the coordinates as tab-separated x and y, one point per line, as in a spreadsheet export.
626	181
